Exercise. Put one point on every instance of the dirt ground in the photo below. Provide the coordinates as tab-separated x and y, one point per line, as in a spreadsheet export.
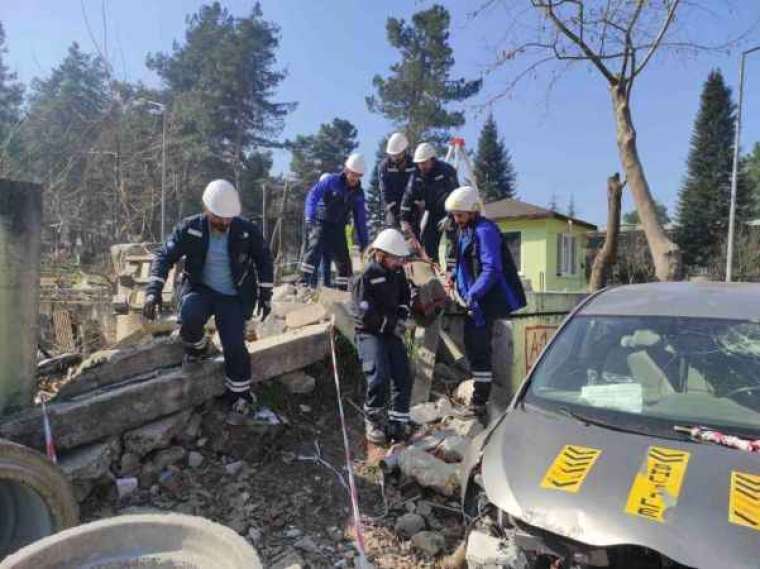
280	487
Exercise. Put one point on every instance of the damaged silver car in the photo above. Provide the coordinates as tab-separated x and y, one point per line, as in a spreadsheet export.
634	441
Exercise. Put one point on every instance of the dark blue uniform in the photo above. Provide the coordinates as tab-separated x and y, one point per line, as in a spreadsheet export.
380	299
328	207
252	274
393	177
429	192
481	282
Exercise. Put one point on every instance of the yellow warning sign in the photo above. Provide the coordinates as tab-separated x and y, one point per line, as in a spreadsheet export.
658	484
744	500
570	468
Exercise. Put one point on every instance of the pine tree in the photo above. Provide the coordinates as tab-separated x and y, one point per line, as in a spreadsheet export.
632	217
493	165
415	96
375	213
221	86
11	97
751	167
703	204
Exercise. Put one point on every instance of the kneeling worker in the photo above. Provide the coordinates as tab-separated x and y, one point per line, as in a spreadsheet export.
487	282
381	299
221	251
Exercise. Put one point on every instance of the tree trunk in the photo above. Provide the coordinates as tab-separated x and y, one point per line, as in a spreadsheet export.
607	256
666	254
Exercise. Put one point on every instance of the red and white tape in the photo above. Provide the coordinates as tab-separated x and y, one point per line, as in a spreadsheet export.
363	562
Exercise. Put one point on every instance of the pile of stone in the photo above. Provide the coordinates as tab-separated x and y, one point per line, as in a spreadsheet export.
431	460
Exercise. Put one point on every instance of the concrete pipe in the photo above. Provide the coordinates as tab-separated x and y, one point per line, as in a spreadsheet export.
147	541
36	499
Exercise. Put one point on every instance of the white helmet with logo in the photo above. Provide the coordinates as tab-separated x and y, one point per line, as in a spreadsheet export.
397	143
464	198
391	241
424	151
355	163
221	198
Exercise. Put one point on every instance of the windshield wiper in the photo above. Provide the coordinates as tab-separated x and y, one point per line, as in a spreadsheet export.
613	426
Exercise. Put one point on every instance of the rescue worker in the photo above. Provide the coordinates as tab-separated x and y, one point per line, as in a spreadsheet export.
325	262
393	174
380	304
427	190
223	254
480	282
328	206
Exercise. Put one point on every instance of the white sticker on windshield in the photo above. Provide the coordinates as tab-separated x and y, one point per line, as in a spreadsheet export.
619	396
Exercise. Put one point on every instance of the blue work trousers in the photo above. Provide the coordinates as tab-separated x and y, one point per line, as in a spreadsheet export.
198	305
386	366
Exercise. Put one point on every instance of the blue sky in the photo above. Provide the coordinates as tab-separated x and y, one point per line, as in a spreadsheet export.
561	144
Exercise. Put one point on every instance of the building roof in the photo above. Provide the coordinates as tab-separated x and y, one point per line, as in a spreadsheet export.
515	209
737	301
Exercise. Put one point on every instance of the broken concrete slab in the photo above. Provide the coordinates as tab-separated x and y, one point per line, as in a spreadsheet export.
90	462
125	407
298	382
281	309
453	448
168	457
338	305
430	542
431	412
426	341
157	434
112	366
485	551
283	292
309	314
428	471
469	427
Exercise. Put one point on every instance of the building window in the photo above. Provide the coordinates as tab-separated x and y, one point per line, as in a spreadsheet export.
567	261
514	243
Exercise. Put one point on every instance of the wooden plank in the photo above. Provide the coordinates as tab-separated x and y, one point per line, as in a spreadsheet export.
426	342
64	331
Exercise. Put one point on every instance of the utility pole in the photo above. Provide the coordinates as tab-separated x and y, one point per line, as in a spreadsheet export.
163	175
735	172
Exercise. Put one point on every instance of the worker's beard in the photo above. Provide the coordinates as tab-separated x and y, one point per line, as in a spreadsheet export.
219	227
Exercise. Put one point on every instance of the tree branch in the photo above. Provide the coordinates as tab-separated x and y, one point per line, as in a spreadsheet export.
658	39
590	54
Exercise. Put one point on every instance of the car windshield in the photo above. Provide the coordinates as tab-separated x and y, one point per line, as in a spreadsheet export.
659	371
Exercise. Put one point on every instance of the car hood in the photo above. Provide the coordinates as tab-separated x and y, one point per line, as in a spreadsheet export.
597	486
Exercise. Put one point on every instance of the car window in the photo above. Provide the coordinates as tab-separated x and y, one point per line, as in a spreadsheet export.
689	370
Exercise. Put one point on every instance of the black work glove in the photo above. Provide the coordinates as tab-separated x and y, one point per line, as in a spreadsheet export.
264	308
151	306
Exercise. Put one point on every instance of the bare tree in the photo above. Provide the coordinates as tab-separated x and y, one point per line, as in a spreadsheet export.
607	255
618	39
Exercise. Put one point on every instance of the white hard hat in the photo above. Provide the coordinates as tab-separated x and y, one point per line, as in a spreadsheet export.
355	163
424	151
391	241
324	176
221	198
464	198
397	143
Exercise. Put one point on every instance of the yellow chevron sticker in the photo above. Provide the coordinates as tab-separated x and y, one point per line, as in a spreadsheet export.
744	500
570	468
658	483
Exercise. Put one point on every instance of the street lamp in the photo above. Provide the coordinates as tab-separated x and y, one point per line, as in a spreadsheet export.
735	172
162	109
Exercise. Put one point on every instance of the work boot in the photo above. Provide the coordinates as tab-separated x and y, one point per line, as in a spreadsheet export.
399	431
374	432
